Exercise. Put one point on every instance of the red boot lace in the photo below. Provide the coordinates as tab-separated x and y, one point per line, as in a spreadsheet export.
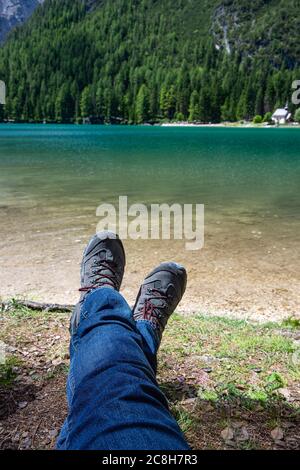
103	279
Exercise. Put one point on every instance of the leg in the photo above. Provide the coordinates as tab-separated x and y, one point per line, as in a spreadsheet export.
114	399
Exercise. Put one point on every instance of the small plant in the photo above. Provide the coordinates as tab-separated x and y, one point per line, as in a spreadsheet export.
297	115
268	117
179	117
291	322
258	119
208	395
274	382
7	371
256	395
185	420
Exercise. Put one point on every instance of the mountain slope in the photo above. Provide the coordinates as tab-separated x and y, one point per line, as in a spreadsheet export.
260	27
14	13
145	60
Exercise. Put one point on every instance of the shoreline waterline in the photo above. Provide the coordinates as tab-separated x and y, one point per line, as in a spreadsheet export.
53	178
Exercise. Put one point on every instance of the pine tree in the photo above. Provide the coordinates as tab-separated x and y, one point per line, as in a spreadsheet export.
142	105
194	114
86	107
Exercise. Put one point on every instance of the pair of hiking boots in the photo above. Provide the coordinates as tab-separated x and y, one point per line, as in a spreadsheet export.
103	265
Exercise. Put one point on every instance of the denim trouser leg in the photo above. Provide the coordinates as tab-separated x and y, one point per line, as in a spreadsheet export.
113	397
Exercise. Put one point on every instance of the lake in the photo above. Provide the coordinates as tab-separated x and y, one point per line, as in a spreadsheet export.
53	177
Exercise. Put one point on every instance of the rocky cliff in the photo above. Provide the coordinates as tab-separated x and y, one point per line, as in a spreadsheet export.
14	13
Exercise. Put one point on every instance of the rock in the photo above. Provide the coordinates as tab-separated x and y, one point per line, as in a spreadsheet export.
243	435
189	401
227	434
206	359
237	424
57	362
53	433
22	404
230	444
277	434
284	392
257	370
27	443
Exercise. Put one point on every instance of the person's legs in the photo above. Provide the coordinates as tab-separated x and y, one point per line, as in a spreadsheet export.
114	399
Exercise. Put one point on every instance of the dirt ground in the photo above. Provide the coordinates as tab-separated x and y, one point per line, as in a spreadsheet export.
230	385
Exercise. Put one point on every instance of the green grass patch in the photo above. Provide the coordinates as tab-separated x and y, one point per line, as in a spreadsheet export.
18	311
293	323
7	371
241	358
221	373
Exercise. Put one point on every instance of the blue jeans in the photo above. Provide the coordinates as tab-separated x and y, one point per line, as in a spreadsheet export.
113	397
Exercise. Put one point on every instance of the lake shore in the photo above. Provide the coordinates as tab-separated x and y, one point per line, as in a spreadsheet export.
240	273
246	125
225	124
53	178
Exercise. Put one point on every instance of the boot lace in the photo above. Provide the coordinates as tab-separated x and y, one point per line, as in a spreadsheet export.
149	310
102	277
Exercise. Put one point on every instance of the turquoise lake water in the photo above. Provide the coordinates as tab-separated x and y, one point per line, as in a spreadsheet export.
228	170
52	179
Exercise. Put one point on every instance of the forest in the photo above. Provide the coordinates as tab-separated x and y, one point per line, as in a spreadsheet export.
138	61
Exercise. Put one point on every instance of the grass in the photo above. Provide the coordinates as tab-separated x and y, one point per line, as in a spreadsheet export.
293	323
217	373
217	370
7	371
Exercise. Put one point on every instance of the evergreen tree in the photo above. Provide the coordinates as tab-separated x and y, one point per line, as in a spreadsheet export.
194	112
142	105
86	107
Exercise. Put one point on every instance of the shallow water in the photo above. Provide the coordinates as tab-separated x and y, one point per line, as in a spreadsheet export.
52	178
226	169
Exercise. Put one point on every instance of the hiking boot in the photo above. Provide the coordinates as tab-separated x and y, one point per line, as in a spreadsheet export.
102	265
159	295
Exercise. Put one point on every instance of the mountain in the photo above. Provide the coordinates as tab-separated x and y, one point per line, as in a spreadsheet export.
14	13
147	60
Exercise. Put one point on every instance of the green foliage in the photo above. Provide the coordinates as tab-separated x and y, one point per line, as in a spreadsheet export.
267	117
7	373
183	418
142	105
274	382
297	115
293	323
258	119
194	109
142	60
235	351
